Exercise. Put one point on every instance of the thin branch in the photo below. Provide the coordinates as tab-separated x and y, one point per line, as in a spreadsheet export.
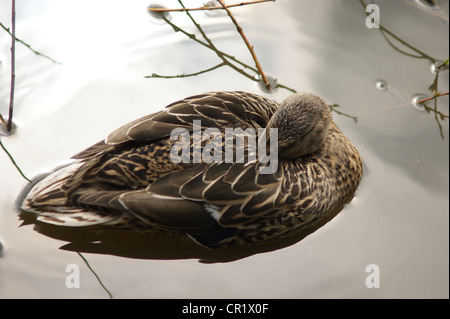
333	108
443	66
285	87
29	47
96	276
428	109
154	75
13	62
434	109
437	120
383	33
207	8
226	58
422	55
223	56
14	162
433	97
247	43
419	55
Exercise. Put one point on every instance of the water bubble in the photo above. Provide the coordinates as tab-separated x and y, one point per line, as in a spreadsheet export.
434	67
3	128
415	101
272	81
381	85
157	16
213	13
429	4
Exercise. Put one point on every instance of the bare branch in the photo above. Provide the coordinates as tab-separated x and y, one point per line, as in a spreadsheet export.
13	161
383	30
249	46
13	66
207	8
29	47
433	97
333	108
154	75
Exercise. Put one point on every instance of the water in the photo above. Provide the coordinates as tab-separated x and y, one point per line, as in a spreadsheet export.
398	220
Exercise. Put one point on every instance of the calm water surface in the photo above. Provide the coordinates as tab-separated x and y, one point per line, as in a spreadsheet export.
398	220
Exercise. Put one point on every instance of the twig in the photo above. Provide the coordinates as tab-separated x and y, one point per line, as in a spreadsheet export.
209	44
96	276
286	87
207	8
421	55
226	58
154	75
14	162
444	65
249	46
13	72
333	108
437	120
433	97
29	47
434	110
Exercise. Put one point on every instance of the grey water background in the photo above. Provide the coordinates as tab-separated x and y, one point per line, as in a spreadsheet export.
398	219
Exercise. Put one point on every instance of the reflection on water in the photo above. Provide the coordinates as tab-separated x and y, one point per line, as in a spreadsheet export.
398	220
134	244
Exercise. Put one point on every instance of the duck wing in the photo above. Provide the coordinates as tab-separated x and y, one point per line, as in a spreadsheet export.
214	109
194	199
232	194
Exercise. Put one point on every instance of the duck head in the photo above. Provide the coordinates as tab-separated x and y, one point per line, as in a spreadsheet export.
302	121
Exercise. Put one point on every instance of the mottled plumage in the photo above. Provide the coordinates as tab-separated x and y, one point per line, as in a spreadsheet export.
129	181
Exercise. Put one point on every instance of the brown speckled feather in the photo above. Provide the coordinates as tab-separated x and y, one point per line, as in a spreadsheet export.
129	181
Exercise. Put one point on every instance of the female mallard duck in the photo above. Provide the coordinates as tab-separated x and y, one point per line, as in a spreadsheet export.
128	181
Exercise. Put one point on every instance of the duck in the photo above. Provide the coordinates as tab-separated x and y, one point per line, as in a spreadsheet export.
130	181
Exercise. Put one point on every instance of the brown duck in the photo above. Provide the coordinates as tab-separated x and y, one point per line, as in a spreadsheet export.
130	181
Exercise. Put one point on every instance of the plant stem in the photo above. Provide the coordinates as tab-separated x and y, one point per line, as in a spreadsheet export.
247	43
13	74
207	8
96	276
29	46
433	97
13	161
422	55
154	75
